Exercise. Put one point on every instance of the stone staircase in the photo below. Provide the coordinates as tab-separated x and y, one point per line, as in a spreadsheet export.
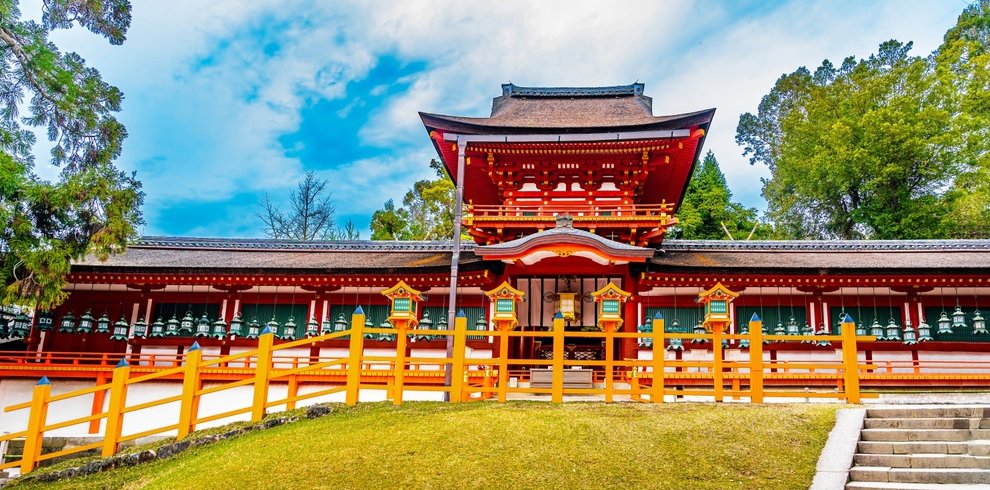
923	448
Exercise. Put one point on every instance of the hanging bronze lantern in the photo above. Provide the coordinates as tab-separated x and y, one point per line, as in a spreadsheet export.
121	330
140	329
158	328
237	326
103	324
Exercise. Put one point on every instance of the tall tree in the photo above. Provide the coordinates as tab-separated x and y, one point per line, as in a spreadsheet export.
708	212
311	214
91	207
962	65
865	150
427	211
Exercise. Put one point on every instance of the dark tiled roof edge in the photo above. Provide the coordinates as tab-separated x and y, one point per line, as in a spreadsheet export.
511	90
825	245
263	244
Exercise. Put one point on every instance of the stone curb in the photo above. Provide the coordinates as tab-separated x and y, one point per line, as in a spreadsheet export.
168	450
832	471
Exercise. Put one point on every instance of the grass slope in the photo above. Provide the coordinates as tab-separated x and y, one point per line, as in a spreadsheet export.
516	445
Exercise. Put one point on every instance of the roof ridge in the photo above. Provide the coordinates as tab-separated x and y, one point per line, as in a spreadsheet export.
826	245
510	89
263	244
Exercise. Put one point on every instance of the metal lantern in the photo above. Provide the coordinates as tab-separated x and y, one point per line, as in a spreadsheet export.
120	329
822	331
979	324
21	326
893	330
924	331
779	330
272	326
289	329
699	329
369	324
312	327
45	321
910	336
385	335
85	323
646	328
676	343
944	324
237	325
340	325
326	326
744	330
425	323
140	329
219	329
441	325
103	324
876	330
861	329
254	329
186	324
203	326
958	318
158	328
792	327
807	330
68	323
172	327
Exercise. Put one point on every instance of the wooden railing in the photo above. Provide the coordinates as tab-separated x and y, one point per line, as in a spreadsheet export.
472	378
599	212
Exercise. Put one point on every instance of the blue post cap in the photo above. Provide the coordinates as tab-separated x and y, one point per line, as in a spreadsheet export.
44	381
558	315
847	319
358	310
193	347
658	316
123	362
460	313
755	317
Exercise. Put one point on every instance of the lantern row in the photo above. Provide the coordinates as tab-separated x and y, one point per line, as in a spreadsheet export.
891	332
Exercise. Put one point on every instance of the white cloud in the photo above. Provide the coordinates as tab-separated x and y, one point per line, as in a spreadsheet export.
206	105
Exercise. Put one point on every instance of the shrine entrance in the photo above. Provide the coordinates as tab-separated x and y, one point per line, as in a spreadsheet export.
571	295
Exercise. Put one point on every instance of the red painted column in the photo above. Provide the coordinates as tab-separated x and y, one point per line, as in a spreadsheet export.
629	315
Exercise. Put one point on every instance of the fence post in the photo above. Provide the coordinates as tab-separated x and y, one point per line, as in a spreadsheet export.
457	364
188	407
717	361
557	387
36	423
115	416
656	393
609	364
262	368
400	364
354	359
850	361
755	359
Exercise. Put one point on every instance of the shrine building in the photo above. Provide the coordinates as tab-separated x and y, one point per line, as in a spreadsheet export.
565	191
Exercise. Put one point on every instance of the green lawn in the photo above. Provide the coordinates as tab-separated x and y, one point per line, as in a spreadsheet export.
516	445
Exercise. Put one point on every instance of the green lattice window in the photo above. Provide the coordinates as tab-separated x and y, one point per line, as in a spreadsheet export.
610	306
504	306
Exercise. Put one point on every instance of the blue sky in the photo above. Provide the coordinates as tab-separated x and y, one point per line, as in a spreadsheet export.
226	101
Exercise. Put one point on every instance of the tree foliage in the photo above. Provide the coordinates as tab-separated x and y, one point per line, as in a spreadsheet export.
708	212
427	211
91	207
885	147
311	214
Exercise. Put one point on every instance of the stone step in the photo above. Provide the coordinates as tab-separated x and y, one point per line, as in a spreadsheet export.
952	476
901	435
887	447
922	423
922	460
908	412
871	485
